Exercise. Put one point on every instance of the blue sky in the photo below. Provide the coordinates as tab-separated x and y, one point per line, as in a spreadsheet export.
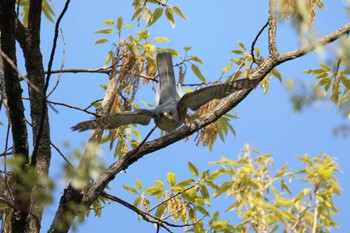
267	122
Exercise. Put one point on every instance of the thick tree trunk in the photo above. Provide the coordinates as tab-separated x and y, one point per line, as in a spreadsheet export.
28	213
38	111
13	92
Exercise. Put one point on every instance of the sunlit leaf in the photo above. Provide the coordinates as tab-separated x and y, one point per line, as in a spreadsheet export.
193	169
170	16
160	210
105	31
179	12
101	41
171	178
241	45
161	39
108	21
198	73
120	23
137	13
155	15
130	189
138	184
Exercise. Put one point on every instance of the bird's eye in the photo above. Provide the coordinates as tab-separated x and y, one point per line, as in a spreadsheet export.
171	113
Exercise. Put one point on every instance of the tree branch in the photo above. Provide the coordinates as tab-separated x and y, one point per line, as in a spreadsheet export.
225	106
272	28
96	189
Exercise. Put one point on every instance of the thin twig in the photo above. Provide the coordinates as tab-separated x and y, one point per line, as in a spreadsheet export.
52	55
62	155
145	139
62	65
72	107
146	216
254	42
13	65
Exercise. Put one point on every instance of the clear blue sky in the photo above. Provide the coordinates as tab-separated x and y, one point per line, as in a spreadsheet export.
267	122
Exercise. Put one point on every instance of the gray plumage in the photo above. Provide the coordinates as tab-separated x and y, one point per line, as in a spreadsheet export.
172	109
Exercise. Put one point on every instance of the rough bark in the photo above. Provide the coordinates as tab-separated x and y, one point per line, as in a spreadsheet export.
13	92
40	160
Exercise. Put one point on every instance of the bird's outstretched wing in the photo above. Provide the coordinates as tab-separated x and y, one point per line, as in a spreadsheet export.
141	116
167	85
196	99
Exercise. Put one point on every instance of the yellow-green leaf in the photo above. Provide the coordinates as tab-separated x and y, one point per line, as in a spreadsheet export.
197	59
193	169
101	41
130	189
171	178
138	184
108	59
198	73
160	210
105	31
170	16
155	15
161	39
120	23
241	45
108	22
179	12
137	13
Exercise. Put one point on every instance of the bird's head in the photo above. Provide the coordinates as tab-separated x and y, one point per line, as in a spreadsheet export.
168	120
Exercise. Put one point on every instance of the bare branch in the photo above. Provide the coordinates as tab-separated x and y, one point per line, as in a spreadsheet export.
146	216
254	42
72	107
272	28
314	45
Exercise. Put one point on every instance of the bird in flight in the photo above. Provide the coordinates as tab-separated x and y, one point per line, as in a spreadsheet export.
172	108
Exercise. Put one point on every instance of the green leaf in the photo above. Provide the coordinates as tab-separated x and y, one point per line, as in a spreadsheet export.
161	39
185	183
201	209
105	31
193	169
160	210
170	16
179	12
171	178
137	13
227	68
198	73
120	23
241	45
205	194
130	189
325	67
197	59
239	52
282	171
222	188
101	41
154	190
138	184
277	75
137	201
345	81
187	48
108	59
108	21
335	96
157	13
